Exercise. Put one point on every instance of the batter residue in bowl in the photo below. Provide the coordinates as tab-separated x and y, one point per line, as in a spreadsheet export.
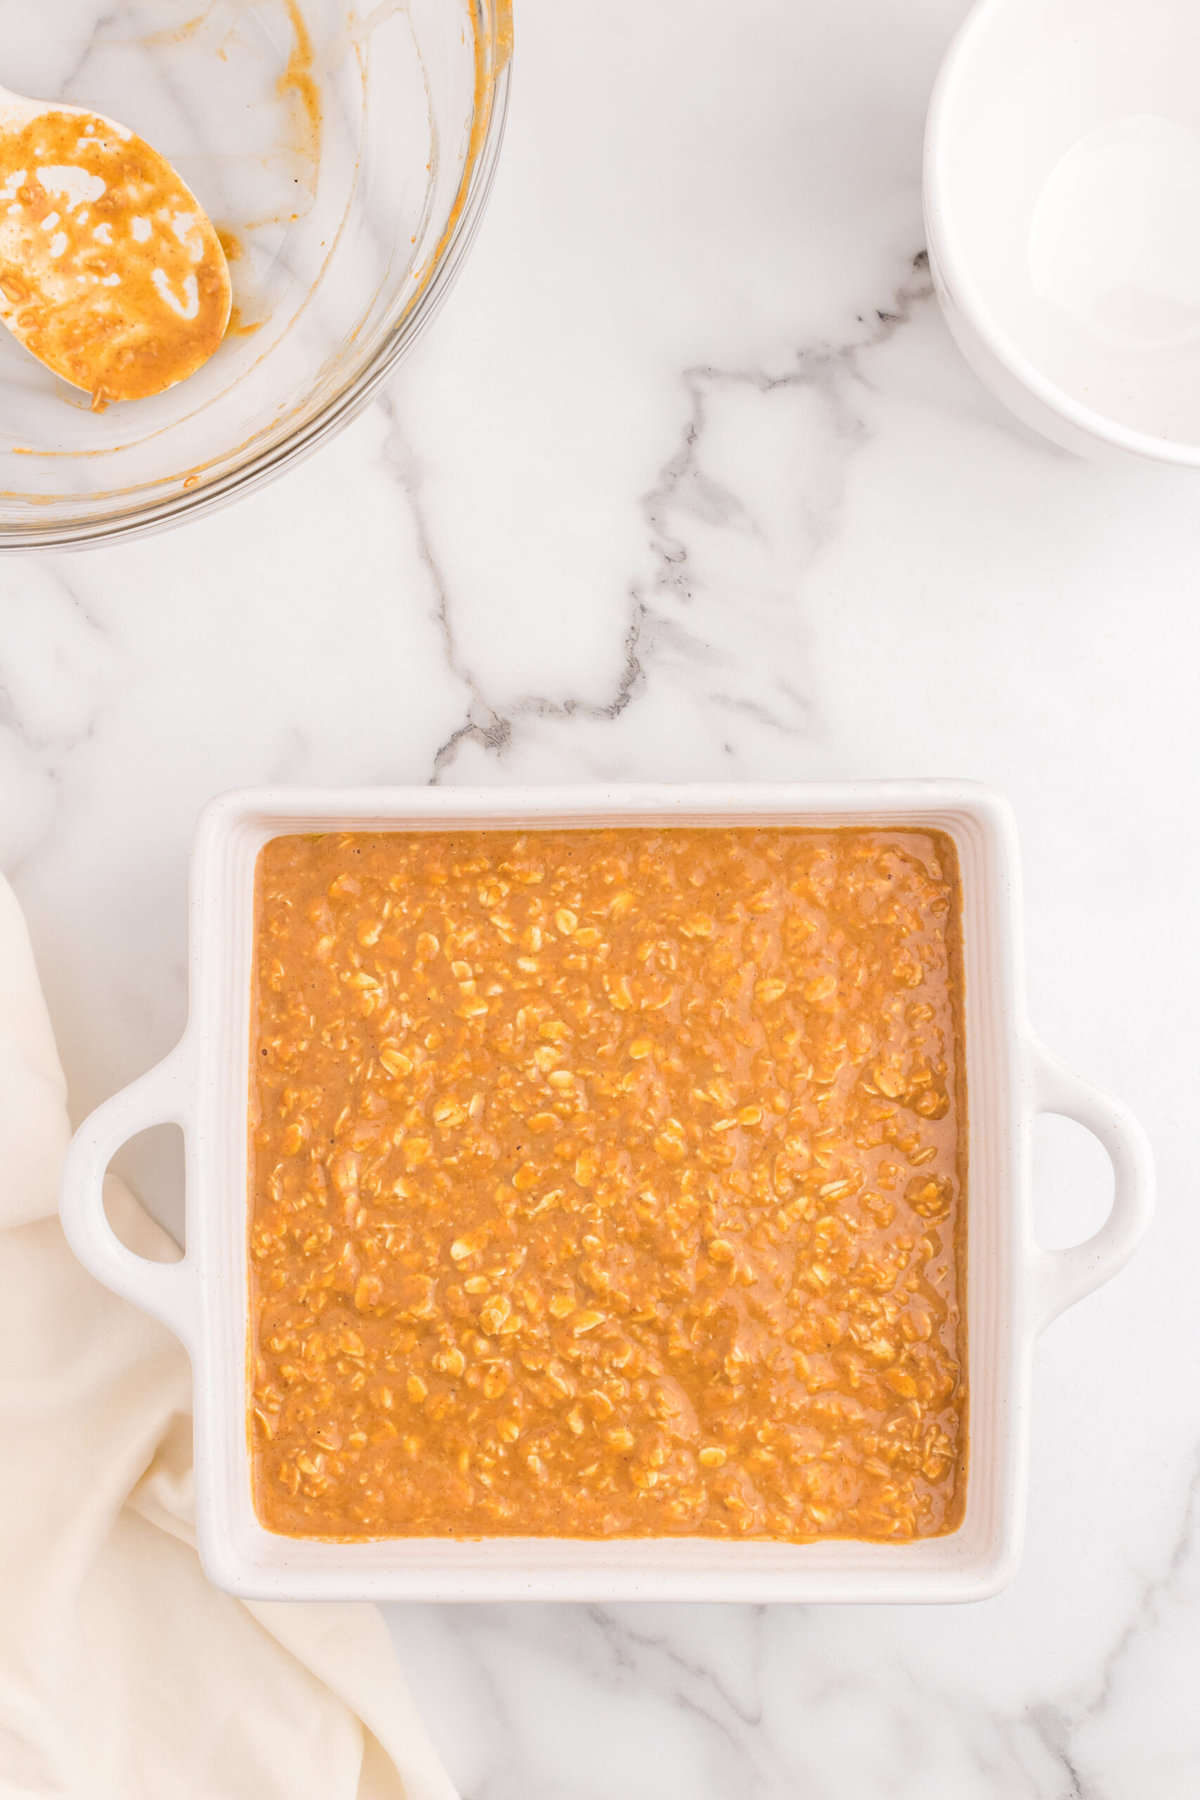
110	271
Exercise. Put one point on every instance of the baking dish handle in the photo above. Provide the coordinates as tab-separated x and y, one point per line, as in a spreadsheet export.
165	1289
1061	1277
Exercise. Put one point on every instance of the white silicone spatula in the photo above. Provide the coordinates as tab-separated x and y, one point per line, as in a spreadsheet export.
111	272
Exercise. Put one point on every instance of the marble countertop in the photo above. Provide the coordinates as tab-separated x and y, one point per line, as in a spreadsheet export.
688	481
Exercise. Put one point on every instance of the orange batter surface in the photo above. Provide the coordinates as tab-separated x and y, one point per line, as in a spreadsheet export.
608	1183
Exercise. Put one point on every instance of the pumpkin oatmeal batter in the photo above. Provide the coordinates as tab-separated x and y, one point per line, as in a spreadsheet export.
608	1183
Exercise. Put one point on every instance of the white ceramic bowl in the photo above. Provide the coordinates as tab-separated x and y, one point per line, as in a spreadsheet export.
1062	187
1013	1287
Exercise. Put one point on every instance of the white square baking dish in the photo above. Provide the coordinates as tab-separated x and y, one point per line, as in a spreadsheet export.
1013	1287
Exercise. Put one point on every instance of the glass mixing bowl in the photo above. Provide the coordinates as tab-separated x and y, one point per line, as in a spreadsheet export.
344	151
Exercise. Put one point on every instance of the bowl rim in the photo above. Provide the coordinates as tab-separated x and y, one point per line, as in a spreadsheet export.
492	23
966	293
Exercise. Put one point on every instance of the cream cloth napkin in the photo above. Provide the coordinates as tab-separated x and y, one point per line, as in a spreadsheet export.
123	1674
